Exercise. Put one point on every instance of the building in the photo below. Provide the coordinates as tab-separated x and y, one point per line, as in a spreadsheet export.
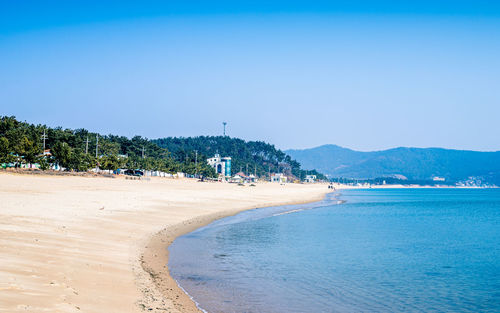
310	178
279	178
221	165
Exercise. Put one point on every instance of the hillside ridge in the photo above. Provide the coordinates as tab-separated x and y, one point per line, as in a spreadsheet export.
405	162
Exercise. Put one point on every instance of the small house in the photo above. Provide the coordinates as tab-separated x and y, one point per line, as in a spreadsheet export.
279	178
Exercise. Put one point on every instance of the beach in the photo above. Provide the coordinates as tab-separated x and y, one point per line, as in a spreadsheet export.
97	244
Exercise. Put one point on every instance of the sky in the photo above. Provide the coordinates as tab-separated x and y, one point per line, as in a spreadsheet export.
367	75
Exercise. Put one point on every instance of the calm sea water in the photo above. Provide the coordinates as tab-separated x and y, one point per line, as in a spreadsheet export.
405	250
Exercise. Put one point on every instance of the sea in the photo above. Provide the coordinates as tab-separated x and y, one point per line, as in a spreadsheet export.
360	250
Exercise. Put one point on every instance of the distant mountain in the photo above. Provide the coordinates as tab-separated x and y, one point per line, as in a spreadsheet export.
410	163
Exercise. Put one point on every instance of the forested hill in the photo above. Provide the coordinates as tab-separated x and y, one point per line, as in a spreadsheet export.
412	163
260	157
22	142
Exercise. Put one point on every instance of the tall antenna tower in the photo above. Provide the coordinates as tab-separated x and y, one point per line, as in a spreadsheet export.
224	123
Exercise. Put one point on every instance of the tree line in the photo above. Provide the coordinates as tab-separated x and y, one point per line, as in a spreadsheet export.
81	150
250	157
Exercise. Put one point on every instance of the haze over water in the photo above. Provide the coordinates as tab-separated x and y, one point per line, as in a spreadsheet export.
432	250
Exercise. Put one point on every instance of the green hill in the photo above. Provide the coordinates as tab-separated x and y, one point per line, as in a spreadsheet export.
75	149
256	156
21	142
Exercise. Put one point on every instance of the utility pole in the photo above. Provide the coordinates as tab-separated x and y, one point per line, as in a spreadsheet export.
143	152
196	163
247	170
96	145
87	145
224	123
44	137
255	170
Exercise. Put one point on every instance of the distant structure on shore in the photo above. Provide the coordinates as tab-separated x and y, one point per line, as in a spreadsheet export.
222	165
310	178
279	178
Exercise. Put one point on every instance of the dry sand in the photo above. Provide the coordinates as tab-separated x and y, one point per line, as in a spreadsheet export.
84	244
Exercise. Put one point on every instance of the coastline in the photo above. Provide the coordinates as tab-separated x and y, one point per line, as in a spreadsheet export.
255	262
154	259
99	244
94	244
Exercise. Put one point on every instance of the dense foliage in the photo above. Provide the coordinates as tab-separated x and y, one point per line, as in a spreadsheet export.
250	157
80	150
22	142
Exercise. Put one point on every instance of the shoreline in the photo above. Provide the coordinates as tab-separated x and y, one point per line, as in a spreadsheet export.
257	265
154	259
95	244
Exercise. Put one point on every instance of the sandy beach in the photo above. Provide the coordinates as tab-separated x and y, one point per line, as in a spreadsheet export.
95	244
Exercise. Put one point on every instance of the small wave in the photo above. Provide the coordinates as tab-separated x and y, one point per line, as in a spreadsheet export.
288	212
314	207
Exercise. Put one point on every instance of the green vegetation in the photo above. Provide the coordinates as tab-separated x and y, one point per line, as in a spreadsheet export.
22	143
75	150
259	157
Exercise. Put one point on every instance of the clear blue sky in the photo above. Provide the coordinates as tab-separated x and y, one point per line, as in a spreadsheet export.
362	74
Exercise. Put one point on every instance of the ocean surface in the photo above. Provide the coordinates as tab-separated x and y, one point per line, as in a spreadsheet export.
383	250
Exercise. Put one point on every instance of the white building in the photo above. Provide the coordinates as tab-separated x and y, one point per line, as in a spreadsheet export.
310	178
221	165
279	178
